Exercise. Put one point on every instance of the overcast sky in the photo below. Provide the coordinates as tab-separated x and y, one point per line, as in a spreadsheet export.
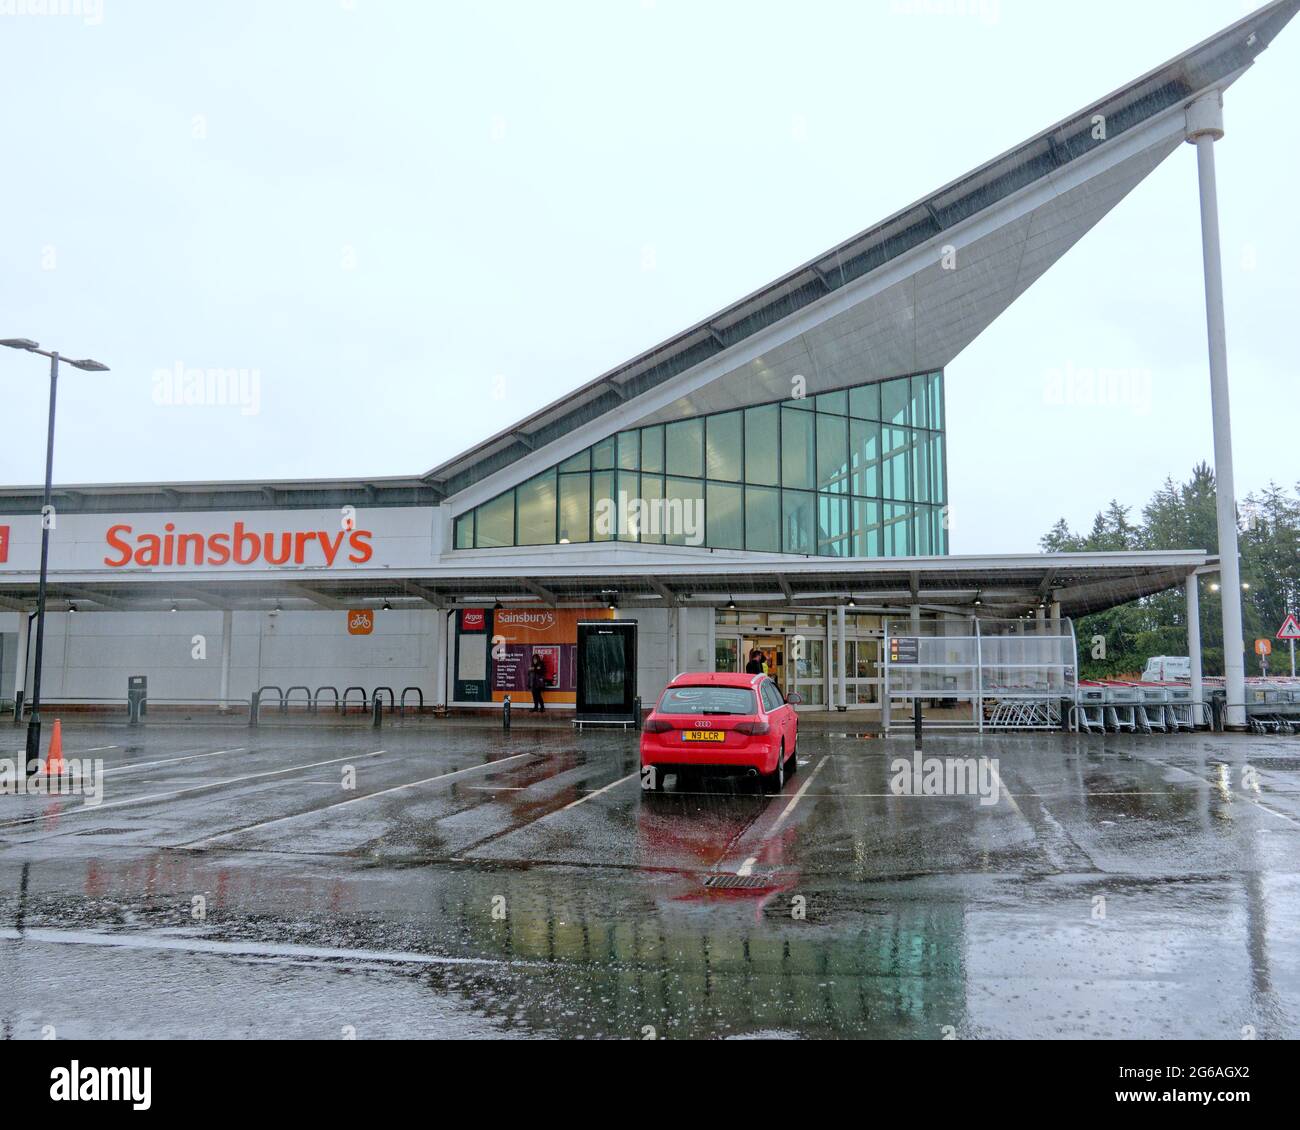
419	221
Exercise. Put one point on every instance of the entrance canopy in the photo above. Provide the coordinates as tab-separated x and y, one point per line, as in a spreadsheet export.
988	586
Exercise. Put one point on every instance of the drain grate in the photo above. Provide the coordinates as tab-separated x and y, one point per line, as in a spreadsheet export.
107	831
735	882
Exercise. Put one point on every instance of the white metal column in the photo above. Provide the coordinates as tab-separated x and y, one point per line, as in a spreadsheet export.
1193	593
1204	128
439	673
227	624
841	650
20	659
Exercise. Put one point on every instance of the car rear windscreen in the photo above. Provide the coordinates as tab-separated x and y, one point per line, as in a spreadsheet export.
708	700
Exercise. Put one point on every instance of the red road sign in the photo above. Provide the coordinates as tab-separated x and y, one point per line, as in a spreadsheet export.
1290	630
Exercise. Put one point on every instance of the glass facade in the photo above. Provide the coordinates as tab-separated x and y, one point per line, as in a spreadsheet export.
854	473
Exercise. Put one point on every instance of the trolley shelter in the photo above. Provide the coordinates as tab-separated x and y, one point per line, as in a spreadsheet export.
989	674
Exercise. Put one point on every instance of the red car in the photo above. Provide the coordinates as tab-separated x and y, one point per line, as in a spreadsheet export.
726	723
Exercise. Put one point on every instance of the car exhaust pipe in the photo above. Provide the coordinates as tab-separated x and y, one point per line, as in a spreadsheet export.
751	773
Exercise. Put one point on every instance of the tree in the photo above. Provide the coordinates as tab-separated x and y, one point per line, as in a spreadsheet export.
1183	516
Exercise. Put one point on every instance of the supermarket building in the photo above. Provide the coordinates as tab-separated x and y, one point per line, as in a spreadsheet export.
774	477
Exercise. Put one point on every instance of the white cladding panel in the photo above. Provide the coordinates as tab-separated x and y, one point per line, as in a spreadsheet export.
89	655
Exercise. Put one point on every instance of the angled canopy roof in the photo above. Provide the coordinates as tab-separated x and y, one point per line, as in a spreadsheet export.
880	304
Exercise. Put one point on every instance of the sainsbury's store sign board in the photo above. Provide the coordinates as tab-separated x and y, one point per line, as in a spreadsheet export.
243	542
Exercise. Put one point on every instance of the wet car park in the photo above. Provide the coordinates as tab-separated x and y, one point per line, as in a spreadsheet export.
447	879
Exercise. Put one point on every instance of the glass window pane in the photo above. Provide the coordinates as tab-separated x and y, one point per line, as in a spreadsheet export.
724	440
575	508
763	519
803	403
652	490
834	538
631	515
834	402
602	454
684	442
920	402
725	514
797	448
866	528
864	445
536	508
465	531
832	454
896	460
496	522
604	508
936	400
684	512
921	467
864	402
894	396
922	532
579	462
629	451
937	486
762	445
652	449
898	530
797	520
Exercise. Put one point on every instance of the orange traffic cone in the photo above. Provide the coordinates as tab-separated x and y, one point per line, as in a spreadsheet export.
54	763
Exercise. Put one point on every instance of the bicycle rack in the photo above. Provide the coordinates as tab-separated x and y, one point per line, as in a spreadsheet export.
255	703
392	698
343	708
315	699
401	706
284	702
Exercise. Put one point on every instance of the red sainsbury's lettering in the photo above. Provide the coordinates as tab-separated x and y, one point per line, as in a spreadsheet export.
239	545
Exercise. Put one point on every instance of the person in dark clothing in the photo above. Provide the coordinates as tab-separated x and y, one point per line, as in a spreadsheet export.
537	683
755	664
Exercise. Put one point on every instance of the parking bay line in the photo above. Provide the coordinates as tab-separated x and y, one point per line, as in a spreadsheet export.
611	785
747	867
74	811
1209	785
172	760
351	800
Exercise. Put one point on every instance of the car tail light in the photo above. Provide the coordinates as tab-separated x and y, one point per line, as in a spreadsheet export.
656	726
753	728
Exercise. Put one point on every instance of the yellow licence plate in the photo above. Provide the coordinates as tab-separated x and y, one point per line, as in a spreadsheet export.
704	736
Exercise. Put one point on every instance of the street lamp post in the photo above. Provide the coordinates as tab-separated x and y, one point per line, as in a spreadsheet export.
47	510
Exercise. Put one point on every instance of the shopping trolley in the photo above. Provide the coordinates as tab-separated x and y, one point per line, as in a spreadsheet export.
1151	701
1121	707
1090	707
1180	709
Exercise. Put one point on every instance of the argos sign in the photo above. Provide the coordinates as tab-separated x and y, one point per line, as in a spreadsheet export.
243	542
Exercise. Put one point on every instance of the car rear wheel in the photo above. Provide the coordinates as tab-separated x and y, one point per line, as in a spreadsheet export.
777	778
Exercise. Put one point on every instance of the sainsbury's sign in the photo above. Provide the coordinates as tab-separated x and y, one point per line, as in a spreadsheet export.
249	541
240	546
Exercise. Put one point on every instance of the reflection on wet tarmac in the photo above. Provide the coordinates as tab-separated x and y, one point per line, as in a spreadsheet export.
478	884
